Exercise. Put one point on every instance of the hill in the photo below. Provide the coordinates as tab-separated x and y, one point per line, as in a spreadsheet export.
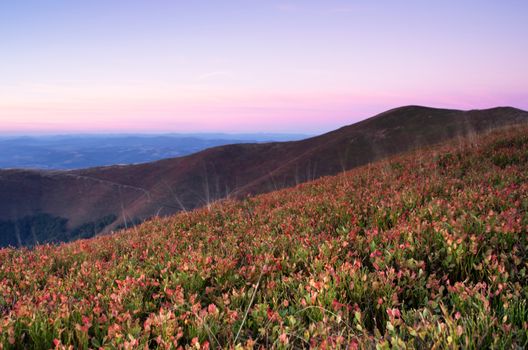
423	250
84	151
81	203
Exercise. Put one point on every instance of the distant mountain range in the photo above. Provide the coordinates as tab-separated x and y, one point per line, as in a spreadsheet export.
84	151
47	206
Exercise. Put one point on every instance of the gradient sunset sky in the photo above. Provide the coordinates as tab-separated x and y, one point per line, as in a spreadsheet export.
252	66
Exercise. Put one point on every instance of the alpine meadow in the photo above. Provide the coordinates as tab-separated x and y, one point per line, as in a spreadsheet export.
423	250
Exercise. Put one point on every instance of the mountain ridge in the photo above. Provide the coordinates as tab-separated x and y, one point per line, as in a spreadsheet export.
132	193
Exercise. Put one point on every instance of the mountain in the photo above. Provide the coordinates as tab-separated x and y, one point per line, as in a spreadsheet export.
425	250
41	206
83	151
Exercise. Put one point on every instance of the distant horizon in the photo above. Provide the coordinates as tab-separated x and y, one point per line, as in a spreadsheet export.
153	133
293	133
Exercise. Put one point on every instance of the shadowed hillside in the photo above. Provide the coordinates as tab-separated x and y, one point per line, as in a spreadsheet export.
89	197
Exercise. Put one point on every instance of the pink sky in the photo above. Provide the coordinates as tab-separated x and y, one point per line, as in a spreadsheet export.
245	66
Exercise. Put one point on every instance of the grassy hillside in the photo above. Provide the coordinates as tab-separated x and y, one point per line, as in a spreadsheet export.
423	250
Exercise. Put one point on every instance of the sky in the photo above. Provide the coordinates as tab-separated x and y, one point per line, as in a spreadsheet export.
252	65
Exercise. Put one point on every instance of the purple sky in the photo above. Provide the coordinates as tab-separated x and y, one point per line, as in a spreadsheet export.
251	66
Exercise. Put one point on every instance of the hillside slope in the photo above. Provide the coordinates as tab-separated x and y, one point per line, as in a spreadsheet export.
83	202
427	249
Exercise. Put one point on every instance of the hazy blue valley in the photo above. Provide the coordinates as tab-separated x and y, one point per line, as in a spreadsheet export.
83	151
